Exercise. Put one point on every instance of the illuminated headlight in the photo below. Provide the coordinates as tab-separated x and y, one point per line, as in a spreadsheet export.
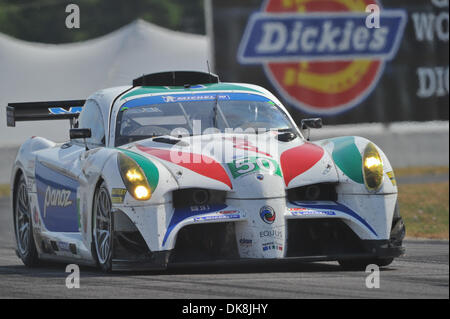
372	168
133	177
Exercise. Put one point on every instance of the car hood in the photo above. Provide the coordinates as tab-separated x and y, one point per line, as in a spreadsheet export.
251	166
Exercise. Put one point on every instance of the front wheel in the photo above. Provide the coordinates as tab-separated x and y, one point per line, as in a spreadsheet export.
23	226
102	228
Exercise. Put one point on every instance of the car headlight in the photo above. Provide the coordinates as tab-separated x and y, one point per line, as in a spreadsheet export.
372	168
133	177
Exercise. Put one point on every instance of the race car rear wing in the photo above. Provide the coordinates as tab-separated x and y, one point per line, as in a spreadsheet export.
37	111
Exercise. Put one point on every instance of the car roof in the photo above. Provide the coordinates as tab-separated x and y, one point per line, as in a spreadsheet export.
216	87
121	95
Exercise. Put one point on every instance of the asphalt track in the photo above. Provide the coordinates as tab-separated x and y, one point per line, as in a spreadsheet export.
422	273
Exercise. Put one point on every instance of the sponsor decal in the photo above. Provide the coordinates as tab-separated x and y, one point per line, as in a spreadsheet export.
217	217
271	233
193	89
320	55
312	212
392	178
199	208
245	242
56	198
250	165
267	214
62	110
118	195
225	212
297	209
173	98
272	246
187	98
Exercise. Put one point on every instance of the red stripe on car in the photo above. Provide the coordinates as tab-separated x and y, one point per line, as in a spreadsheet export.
200	164
299	159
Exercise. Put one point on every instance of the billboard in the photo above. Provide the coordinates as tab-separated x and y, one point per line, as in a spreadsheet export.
324	57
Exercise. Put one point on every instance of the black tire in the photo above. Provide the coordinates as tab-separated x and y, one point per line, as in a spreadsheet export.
361	264
101	211
23	225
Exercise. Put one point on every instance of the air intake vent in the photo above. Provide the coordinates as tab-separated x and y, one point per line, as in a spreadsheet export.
176	78
198	197
314	192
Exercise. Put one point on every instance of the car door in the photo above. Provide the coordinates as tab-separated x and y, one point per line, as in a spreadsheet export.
61	180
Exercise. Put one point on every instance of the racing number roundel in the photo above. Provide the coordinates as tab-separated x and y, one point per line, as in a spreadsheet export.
319	54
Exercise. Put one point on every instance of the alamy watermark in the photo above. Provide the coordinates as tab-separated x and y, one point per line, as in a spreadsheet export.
73	279
373	279
373	18
73	19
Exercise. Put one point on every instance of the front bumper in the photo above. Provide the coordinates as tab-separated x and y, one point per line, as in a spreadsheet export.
237	233
375	249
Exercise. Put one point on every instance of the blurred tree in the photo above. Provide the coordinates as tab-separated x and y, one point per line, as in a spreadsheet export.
44	20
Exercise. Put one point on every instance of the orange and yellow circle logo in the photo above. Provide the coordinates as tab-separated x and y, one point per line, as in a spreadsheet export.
320	54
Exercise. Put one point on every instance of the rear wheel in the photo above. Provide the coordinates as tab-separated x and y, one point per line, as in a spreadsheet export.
102	227
23	226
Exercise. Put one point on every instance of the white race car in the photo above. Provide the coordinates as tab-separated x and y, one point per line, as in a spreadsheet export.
181	168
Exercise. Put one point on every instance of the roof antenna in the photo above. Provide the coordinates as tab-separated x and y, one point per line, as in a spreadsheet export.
209	71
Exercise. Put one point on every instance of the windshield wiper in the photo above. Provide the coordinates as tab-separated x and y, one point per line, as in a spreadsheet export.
218	110
185	115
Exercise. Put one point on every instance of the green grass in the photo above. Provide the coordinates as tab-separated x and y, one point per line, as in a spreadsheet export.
4	190
425	209
417	171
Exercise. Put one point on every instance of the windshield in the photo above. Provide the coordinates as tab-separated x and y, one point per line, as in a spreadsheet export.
194	113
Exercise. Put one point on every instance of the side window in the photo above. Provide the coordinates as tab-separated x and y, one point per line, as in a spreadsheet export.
91	117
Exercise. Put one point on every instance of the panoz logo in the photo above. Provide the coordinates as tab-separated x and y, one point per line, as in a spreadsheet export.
56	198
320	55
267	214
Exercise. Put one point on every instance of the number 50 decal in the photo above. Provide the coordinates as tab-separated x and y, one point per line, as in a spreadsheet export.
248	165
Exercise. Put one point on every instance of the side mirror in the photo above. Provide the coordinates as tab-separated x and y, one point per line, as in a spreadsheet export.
80	133
308	124
311	123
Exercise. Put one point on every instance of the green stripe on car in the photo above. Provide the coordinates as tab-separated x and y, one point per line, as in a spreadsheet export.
180	89
348	158
150	169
